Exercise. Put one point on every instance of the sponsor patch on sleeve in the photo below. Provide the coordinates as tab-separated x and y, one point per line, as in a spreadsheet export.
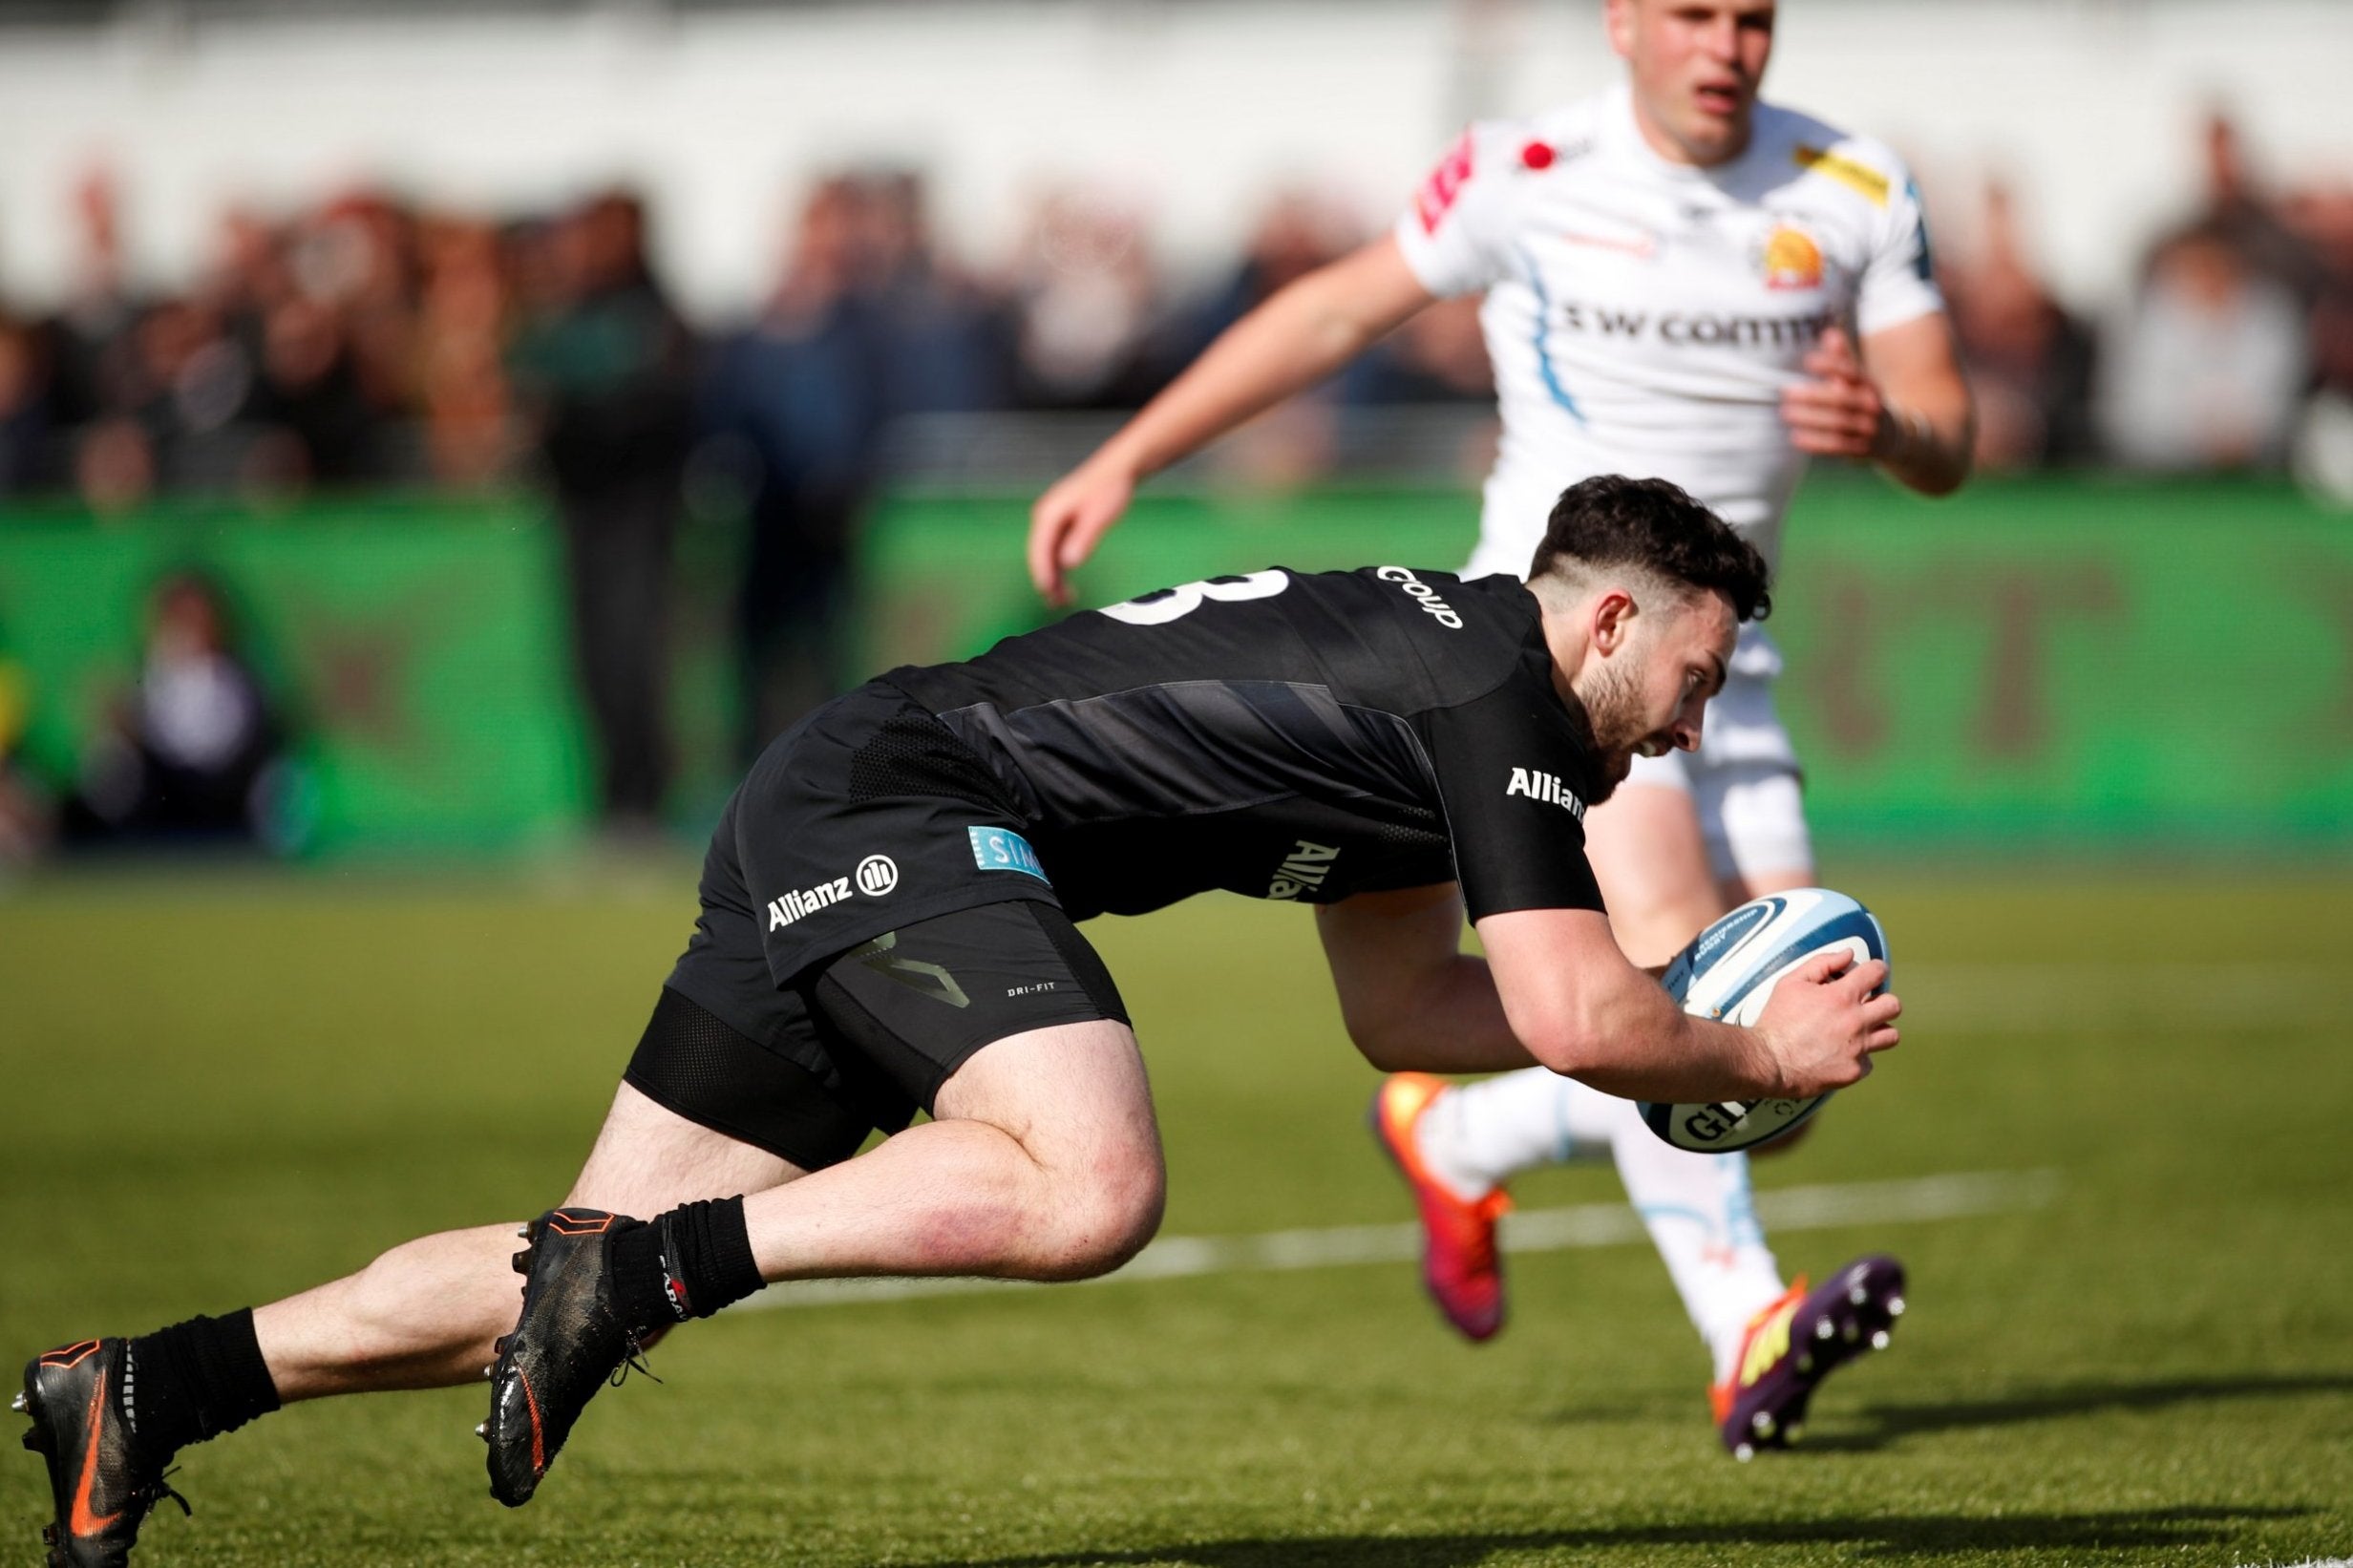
1436	196
1002	849
1865	182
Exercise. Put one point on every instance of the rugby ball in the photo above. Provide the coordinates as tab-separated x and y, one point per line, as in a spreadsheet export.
1728	973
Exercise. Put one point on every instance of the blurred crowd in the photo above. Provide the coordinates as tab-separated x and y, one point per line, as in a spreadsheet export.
371	343
2239	329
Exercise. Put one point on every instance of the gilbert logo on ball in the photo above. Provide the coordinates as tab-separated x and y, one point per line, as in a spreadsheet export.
1729	974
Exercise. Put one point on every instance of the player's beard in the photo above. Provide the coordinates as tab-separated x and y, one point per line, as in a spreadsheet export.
1614	723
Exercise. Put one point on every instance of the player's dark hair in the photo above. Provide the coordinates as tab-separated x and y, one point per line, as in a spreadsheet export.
1656	527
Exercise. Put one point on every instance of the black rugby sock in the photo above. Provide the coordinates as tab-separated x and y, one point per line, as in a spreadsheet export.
196	1380
686	1264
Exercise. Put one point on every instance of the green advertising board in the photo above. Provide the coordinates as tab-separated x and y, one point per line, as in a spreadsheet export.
2068	664
2065	663
2158	667
415	650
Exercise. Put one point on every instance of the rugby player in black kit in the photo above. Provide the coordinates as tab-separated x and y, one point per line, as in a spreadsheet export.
887	926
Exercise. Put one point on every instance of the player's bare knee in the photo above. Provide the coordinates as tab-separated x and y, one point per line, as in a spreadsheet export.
1108	1219
1137	1200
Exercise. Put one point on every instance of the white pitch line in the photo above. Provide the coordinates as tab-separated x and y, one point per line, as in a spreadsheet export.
1540	1230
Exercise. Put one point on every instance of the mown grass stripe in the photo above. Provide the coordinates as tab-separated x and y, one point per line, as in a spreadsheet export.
2140	998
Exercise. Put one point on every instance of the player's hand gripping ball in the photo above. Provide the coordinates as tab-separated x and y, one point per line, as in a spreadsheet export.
1728	973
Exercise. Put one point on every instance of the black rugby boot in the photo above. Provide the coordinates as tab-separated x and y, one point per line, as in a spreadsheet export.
103	1484
571	1337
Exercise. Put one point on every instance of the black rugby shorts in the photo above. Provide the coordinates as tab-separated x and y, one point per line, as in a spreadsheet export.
806	1061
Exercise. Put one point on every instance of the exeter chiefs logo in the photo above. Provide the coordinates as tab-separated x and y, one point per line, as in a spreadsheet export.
1790	258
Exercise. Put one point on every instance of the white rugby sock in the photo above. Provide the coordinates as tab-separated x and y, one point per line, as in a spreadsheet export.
1482	1134
1697	1207
1477	1136
1702	1220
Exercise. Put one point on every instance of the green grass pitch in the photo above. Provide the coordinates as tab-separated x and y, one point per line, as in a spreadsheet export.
219	1088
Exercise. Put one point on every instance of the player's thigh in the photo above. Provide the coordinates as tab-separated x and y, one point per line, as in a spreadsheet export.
1754	818
1075	1096
1000	1013
731	1089
1650	857
648	1158
1739	889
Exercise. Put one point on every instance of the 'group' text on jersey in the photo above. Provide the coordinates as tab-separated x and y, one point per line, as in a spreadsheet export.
1644	316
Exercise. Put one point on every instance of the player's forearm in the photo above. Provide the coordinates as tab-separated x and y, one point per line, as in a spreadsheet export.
1285	345
1627	1037
1684	1059
1453	1020
1930	451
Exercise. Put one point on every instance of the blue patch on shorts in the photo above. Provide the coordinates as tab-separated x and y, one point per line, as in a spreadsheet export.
1002	849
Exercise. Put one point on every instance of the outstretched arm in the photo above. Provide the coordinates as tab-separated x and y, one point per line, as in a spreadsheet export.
1411	998
1296	338
1556	990
1902	403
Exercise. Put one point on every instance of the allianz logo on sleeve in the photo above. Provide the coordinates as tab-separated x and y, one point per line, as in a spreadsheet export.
1303	870
1545	787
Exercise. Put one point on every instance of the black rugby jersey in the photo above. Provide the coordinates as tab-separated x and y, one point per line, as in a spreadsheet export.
1286	735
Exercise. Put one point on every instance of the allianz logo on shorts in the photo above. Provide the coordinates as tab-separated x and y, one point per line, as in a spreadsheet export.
1544	787
875	876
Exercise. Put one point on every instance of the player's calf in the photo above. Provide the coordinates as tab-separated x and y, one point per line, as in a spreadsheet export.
421	1315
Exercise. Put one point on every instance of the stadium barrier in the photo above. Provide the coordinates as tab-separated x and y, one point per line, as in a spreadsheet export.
2080	664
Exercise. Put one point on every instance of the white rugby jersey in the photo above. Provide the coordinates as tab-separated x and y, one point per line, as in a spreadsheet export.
1644	316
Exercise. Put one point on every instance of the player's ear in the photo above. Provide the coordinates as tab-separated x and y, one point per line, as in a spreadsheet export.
1613	620
1618	20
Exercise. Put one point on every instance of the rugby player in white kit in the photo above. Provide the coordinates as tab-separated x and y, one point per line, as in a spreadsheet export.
1683	283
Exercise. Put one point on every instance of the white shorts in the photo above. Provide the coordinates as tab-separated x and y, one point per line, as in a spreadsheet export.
1752	816
1744	780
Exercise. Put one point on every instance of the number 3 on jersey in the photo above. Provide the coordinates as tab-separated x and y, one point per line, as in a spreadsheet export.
1162	605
